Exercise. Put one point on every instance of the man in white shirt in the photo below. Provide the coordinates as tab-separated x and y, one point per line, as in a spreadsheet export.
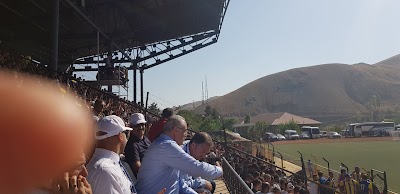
106	173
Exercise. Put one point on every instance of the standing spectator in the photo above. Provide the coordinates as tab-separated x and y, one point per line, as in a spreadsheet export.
321	181
356	174
365	185
341	178
137	143
349	184
165	159
330	182
313	186
157	127
310	168
106	173
198	147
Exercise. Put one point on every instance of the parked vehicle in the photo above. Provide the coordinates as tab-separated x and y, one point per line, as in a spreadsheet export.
333	135
291	134
323	134
313	132
371	129
269	137
280	137
304	135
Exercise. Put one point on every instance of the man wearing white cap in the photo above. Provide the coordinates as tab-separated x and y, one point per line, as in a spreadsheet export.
106	173
137	143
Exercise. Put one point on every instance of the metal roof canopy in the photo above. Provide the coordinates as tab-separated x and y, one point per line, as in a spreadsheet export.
26	25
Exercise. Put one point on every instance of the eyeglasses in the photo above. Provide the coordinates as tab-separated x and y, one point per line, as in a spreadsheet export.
183	129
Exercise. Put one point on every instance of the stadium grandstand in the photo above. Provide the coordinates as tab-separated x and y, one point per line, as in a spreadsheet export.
112	38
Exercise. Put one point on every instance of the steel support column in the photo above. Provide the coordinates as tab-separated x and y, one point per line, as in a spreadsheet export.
55	29
141	87
134	82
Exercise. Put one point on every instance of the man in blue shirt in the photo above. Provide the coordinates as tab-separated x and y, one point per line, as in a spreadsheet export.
165	159
198	147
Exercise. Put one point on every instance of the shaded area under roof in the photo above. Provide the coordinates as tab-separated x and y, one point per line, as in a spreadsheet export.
26	24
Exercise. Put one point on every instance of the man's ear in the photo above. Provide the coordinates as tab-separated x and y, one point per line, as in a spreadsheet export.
121	136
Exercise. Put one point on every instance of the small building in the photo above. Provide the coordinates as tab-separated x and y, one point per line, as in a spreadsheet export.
275	119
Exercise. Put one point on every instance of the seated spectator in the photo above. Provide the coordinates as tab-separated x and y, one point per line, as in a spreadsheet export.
249	180
137	143
164	160
198	147
264	188
256	185
106	173
276	190
157	127
98	108
290	188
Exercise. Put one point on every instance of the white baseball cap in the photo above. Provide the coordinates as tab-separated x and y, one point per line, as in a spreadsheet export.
111	125
137	118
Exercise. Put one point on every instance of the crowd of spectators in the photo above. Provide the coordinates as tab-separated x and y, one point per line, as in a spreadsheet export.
263	176
123	160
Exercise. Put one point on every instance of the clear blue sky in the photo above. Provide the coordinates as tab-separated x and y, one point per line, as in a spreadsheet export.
262	37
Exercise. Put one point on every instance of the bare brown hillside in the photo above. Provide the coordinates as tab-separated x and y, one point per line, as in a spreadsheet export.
329	90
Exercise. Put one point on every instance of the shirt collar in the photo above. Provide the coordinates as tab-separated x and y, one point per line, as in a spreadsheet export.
107	154
164	136
186	146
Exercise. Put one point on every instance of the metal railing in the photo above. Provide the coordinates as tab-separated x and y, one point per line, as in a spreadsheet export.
234	182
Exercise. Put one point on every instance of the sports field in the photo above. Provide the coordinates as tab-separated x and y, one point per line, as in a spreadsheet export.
381	154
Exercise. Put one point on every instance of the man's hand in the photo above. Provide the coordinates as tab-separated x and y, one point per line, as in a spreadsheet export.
217	164
162	191
70	185
208	185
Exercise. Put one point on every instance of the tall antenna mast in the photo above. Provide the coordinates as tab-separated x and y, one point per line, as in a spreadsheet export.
206	90
202	93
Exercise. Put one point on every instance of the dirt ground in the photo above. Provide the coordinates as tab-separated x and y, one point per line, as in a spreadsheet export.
325	140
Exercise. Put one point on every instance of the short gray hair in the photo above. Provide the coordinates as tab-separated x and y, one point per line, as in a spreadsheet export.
173	121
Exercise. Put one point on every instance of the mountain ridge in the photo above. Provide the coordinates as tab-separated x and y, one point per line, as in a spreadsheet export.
314	91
